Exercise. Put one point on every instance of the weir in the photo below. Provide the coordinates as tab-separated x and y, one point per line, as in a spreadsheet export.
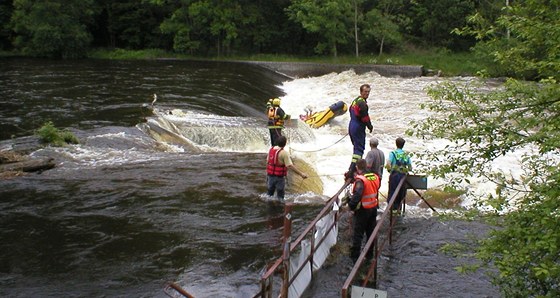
210	133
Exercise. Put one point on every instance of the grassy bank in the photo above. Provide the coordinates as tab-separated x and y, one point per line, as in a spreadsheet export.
451	64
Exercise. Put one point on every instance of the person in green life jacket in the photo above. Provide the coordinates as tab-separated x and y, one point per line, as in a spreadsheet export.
276	118
398	165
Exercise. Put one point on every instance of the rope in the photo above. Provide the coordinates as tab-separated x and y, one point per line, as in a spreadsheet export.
317	150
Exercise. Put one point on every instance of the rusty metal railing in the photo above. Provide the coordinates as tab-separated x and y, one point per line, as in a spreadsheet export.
374	240
282	264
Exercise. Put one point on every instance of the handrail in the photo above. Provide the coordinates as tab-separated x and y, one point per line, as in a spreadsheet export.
373	239
266	284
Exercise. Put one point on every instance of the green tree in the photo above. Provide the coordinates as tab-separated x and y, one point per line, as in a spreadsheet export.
384	23
6	9
520	116
56	28
332	20
131	24
434	20
197	22
523	40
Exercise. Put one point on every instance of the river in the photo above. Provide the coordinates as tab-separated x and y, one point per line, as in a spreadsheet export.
177	192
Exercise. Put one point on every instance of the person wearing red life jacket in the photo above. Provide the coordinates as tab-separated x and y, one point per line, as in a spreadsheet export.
279	161
363	202
359	120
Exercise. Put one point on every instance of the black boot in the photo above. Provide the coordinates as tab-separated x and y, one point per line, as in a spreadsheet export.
350	173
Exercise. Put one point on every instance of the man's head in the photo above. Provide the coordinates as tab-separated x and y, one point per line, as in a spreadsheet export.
373	142
400	142
361	165
281	141
364	91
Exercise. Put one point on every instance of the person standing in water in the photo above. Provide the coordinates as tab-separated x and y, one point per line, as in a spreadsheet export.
279	161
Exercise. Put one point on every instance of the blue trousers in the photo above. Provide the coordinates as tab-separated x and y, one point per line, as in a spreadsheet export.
357	132
276	184
394	179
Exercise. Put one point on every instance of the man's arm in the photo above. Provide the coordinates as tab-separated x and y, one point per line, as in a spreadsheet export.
356	197
302	174
363	114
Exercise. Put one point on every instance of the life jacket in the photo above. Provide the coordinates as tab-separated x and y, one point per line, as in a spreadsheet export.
371	186
274	118
355	112
273	167
401	164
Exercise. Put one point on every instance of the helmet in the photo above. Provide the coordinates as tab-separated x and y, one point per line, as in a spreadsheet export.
276	102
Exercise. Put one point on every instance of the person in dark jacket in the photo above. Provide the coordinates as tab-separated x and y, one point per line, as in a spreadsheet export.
363	202
359	120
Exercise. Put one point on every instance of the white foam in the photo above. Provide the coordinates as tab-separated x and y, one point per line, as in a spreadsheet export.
393	104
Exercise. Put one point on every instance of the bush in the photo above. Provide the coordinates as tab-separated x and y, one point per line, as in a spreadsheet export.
53	136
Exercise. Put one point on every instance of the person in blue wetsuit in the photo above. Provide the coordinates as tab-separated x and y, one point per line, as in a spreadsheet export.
359	120
398	165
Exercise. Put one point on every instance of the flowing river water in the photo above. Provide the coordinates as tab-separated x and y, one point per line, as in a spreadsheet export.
177	192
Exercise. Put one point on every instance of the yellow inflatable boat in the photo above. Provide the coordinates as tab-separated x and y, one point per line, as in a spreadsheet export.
318	119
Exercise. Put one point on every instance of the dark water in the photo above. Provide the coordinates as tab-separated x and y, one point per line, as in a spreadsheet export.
121	214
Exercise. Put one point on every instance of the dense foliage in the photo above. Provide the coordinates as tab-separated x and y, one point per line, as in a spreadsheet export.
520	116
68	29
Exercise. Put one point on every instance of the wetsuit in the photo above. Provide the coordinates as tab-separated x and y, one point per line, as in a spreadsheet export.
359	120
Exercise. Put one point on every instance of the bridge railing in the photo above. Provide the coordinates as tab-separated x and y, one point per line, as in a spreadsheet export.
282	264
384	226
289	274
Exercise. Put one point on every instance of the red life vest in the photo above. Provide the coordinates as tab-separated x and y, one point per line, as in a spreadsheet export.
273	167
371	187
